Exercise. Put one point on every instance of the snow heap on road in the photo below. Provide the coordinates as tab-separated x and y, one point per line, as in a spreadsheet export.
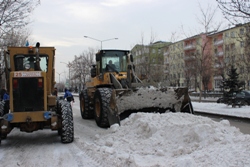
171	139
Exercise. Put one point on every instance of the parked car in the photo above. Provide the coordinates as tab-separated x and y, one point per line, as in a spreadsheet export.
227	97
240	98
243	97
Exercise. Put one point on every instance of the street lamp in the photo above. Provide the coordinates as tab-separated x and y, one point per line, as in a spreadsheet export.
69	65
100	40
59	75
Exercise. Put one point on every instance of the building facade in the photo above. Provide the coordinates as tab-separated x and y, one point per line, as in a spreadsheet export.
200	62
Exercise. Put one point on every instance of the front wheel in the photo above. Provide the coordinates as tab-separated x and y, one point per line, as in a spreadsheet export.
101	104
67	125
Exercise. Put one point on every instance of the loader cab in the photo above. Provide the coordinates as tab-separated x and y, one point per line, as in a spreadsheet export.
112	61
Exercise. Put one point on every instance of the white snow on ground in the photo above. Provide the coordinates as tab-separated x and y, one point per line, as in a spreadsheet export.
142	140
174	139
223	109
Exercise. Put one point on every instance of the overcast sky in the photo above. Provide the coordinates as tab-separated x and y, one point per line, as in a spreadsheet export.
64	23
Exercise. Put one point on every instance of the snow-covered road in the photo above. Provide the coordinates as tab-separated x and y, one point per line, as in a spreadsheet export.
142	140
43	148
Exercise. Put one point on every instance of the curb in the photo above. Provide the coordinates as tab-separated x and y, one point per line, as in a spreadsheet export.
201	113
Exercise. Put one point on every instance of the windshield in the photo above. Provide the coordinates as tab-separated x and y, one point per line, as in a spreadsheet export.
114	61
23	62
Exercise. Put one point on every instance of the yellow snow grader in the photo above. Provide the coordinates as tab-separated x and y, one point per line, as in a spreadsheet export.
30	80
114	88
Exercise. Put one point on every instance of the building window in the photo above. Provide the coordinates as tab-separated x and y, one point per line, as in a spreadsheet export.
247	29
242	70
242	44
215	51
226	35
242	56
159	50
241	31
232	46
232	34
217	83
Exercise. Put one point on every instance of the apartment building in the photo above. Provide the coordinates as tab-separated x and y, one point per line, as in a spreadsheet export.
230	48
149	60
200	62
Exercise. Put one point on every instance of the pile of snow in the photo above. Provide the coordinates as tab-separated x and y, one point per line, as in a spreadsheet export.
171	139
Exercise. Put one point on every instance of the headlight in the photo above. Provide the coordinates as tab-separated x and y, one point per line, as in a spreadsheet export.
27	66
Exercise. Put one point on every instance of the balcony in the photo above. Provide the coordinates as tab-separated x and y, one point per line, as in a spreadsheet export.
219	54
219	42
165	53
166	63
189	47
189	57
218	66
166	71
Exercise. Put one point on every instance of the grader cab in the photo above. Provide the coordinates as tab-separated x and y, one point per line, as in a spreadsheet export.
30	80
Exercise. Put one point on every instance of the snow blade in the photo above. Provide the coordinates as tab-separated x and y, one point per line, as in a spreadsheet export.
167	98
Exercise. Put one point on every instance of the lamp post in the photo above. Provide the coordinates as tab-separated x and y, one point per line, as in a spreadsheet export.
100	40
69	65
59	75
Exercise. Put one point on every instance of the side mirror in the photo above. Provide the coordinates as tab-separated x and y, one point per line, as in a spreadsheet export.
131	58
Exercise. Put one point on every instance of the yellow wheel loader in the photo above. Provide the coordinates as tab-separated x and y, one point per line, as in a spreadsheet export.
30	80
114	88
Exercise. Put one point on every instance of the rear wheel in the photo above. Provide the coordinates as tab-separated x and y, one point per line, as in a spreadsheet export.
85	108
101	104
67	130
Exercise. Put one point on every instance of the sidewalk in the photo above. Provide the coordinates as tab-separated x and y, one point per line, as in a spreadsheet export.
208	99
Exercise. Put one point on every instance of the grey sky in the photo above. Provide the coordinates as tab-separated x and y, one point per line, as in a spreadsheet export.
64	23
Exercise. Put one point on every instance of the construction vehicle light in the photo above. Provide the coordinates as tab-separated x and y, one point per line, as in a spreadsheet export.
15	83
40	83
31	49
27	66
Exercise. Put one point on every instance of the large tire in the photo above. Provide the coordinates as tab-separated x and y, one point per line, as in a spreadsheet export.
2	108
67	130
101	103
85	108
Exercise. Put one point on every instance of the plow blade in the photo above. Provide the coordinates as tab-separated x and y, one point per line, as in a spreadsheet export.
154	99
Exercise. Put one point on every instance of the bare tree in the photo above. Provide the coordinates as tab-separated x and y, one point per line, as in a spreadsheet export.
202	54
16	38
14	14
81	66
235	11
207	18
149	59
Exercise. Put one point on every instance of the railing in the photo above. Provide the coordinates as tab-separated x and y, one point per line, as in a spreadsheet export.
219	54
187	47
219	42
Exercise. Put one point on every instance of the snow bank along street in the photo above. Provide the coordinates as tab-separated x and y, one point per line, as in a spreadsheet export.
172	139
